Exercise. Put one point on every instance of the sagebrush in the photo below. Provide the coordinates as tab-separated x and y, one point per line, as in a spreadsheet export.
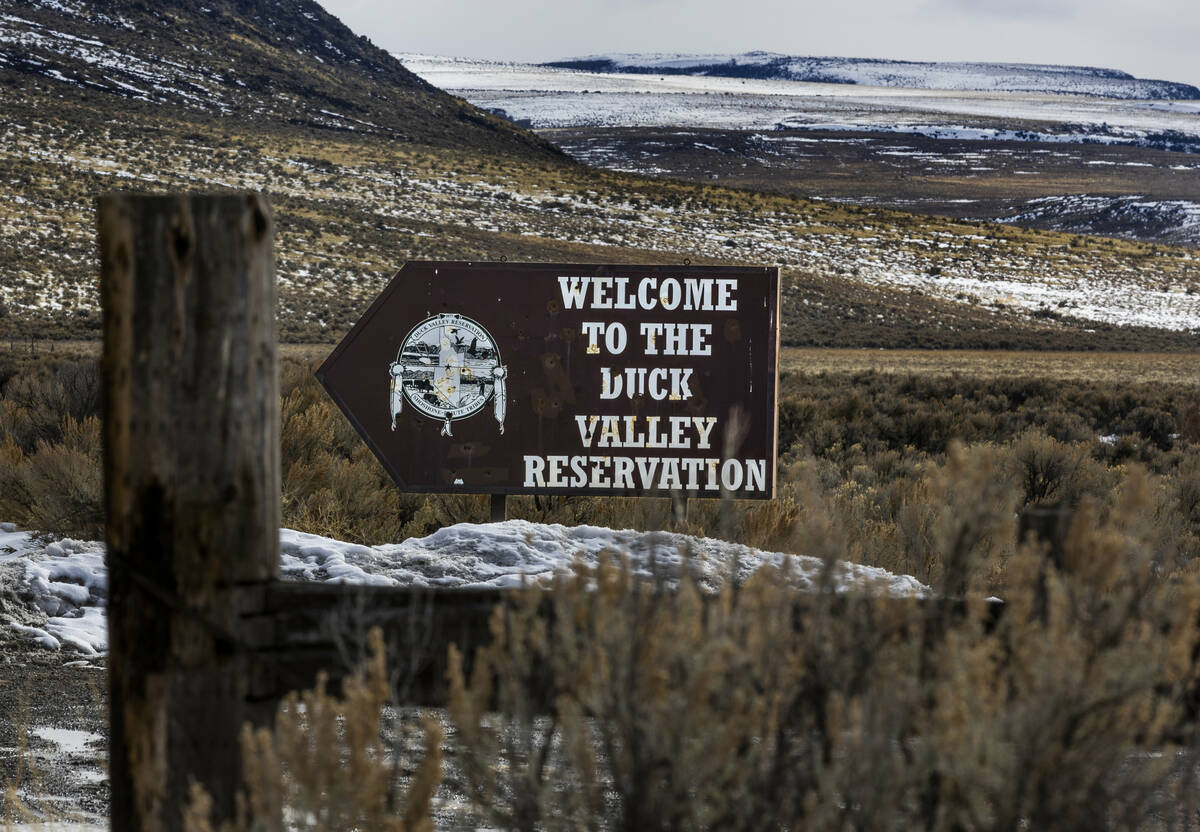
866	453
609	701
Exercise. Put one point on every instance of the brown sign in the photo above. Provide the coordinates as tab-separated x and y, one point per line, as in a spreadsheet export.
566	379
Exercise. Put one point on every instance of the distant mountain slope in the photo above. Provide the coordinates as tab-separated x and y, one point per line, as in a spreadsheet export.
367	167
1077	80
256	60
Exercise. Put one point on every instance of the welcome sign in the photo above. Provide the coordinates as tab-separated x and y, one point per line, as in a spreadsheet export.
566	379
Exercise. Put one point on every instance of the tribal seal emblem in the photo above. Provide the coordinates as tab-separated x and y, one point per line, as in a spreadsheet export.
448	368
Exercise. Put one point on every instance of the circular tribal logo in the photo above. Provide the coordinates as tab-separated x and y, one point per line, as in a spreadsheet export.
448	368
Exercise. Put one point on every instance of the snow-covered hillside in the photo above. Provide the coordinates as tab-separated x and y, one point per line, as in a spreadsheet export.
547	97
54	593
265	62
1179	219
986	270
1042	78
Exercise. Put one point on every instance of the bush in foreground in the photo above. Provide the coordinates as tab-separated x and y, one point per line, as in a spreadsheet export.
763	709
609	702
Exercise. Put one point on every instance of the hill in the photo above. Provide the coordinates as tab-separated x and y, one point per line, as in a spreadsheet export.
245	62
367	167
921	75
1070	163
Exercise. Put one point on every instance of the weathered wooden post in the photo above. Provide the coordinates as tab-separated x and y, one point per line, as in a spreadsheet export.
191	474
1049	525
498	508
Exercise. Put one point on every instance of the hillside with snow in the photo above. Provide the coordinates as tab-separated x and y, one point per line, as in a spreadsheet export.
272	63
922	75
547	97
1047	157
367	166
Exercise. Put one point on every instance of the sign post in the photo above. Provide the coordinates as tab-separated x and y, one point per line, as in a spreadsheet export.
507	378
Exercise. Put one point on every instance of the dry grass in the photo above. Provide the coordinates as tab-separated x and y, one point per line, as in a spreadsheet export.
1139	368
1134	367
25	776
351	208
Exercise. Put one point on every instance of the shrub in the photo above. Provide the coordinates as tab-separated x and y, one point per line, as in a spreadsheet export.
634	707
332	484
58	487
864	456
326	767
39	401
1048	471
1154	425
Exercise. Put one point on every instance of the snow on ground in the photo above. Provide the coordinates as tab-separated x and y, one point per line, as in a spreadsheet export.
28	42
1107	286
1179	219
942	75
1115	292
69	748
504	555
547	97
54	593
62	584
1100	285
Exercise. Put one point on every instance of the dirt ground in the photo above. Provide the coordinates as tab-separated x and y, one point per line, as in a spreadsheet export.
53	729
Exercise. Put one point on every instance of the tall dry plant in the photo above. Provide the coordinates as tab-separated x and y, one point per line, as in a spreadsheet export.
607	702
58	485
21	785
328	765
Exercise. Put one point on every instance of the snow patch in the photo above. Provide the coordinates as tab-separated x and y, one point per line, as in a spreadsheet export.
508	554
547	97
70	741
946	75
64	583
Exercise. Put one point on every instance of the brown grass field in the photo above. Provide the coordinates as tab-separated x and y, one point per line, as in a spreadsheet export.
1132	367
1144	367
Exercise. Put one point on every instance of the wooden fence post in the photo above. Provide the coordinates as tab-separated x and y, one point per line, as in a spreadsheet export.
191	476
